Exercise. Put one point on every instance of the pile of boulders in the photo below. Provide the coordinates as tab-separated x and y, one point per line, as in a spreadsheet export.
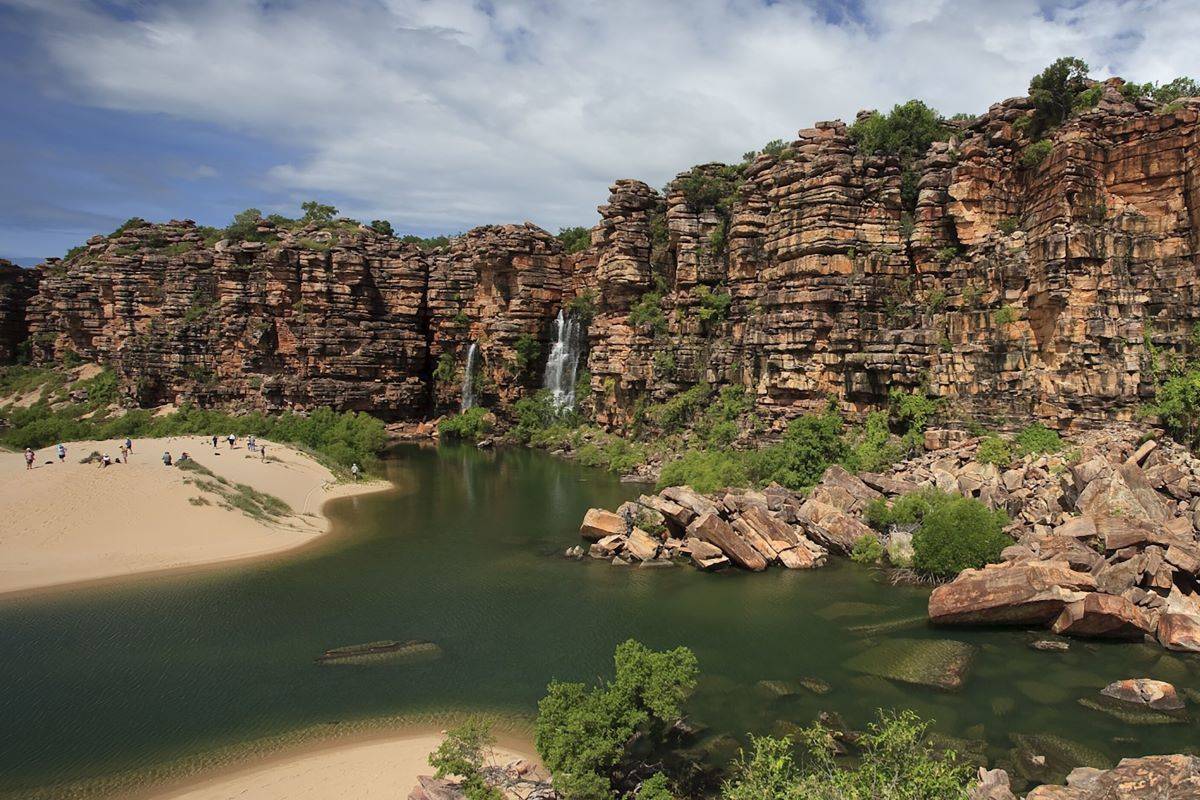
1104	533
1106	545
1148	778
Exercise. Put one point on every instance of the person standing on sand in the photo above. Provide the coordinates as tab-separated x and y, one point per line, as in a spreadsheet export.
28	458
124	457
128	446
354	471
232	439
263	450
62	452
214	441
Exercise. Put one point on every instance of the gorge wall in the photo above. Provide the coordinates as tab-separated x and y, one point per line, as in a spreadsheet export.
1052	289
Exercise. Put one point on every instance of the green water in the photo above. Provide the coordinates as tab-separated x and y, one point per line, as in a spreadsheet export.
465	553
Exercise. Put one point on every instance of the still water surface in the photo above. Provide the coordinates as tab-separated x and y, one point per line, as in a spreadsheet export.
466	553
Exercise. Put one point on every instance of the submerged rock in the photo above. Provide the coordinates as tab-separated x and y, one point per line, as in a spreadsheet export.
941	664
1158	695
381	652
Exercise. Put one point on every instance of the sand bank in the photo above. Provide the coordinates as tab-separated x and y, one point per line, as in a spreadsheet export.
363	770
69	522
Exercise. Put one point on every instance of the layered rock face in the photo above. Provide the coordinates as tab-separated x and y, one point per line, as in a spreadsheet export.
1017	289
17	286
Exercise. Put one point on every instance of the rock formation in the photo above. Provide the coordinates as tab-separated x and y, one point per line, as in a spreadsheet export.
17	286
1017	289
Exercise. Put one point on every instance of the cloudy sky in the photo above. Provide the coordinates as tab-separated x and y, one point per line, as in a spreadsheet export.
443	114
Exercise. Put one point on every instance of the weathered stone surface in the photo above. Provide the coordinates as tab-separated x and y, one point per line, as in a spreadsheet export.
1159	695
1179	632
598	523
1175	777
1105	616
641	545
1009	594
705	555
710	528
832	527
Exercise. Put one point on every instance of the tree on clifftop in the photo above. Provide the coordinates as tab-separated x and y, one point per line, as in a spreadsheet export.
1054	91
907	132
318	212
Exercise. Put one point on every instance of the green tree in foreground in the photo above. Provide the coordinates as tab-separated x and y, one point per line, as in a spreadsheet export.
464	753
898	762
584	733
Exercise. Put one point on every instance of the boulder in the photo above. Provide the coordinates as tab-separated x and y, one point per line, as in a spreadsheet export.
1123	493
1179	632
641	545
1104	616
705	555
887	484
1175	777
672	512
852	486
709	527
831	526
598	523
992	784
802	556
1077	527
1158	695
431	788
779	533
756	540
1026	593
690	499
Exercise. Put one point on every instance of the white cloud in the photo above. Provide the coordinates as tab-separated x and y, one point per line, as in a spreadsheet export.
446	114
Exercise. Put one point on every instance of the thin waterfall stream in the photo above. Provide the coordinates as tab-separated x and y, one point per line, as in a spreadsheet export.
468	385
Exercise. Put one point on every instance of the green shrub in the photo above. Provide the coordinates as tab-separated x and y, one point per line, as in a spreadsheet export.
1036	153
1005	315
469	426
1172	91
583	306
574	240
710	190
528	350
866	550
244	227
907	509
873	449
656	787
586	734
1088	98
647	312
897	761
1037	439
383	227
465	753
447	369
906	132
612	453
714	305
1177	406
706	470
680	410
994	450
1008	225
945	255
961	533
427	242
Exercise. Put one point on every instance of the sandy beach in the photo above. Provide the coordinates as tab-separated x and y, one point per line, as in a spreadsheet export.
70	522
364	770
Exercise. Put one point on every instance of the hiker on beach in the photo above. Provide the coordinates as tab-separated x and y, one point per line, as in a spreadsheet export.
251	445
124	457
62	453
128	446
166	458
263	450
232	439
214	441
354	471
105	461
28	458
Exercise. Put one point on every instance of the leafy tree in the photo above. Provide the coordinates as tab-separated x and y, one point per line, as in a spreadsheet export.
959	533
469	426
907	132
714	305
244	227
1054	92
382	226
1177	406
907	509
464	753
866	550
575	240
656	787
1172	91
769	773
426	243
317	212
647	311
1036	153
584	733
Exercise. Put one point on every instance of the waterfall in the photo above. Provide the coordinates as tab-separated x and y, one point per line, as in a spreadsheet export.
563	362
468	385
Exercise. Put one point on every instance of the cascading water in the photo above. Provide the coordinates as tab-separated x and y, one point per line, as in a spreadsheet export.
563	362
468	385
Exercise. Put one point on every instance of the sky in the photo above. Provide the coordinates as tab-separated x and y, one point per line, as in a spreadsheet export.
440	115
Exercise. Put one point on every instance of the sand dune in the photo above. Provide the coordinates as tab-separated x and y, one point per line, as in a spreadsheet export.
68	522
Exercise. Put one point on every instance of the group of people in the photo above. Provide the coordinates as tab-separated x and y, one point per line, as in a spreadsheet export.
60	450
251	444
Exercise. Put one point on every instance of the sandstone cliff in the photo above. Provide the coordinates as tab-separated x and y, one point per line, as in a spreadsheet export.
1051	289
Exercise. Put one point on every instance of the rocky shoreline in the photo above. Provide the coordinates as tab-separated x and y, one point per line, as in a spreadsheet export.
1104	534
